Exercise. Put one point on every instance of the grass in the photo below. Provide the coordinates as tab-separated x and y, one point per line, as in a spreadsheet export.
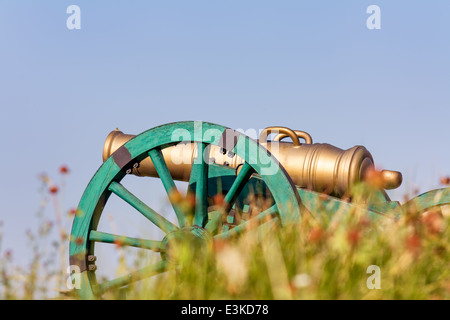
316	258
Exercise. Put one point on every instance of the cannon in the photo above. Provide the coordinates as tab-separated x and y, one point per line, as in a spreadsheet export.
235	184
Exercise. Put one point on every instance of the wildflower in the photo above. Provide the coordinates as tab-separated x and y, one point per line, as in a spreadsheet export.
445	180
234	266
53	189
190	199
316	235
218	199
75	212
175	197
44	178
79	241
406	197
374	178
63	235
219	245
323	196
433	221
301	280
64	170
365	222
8	254
45	228
413	243
353	237
118	242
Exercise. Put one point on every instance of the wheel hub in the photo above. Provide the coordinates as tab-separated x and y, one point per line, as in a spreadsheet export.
185	244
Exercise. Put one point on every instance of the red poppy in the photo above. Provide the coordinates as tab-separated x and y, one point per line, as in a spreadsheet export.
445	180
316	234
433	221
413	243
353	237
218	199
53	189
63	170
374	178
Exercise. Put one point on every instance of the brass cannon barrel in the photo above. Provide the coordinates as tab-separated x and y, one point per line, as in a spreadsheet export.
317	166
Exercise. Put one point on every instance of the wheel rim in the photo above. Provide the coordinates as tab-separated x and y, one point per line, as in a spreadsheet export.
106	181
428	200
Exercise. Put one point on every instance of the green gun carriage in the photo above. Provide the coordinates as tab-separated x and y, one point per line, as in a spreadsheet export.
235	184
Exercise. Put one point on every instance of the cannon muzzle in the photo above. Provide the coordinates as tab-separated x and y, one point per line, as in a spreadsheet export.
316	166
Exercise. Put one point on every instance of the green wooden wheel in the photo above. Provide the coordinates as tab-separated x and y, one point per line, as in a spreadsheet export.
201	226
426	201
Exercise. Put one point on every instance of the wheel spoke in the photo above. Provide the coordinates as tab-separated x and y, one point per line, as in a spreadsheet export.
169	184
141	274
145	210
269	214
98	236
237	186
200	168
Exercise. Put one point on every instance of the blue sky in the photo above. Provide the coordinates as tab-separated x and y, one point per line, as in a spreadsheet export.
308	65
